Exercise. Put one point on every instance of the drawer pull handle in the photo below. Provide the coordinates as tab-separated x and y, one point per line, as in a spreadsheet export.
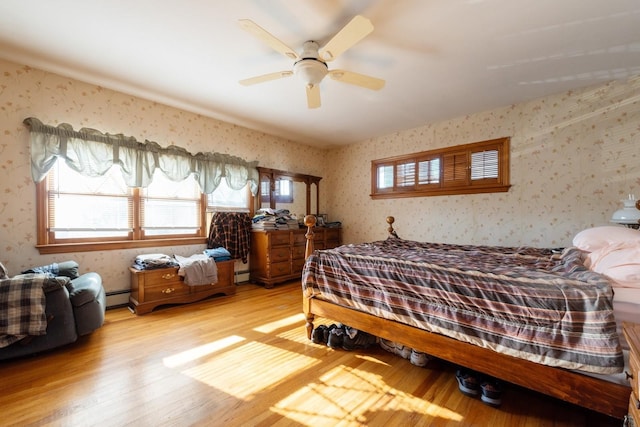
629	376
168	290
168	276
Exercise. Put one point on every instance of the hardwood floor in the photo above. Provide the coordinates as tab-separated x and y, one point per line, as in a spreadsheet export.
245	360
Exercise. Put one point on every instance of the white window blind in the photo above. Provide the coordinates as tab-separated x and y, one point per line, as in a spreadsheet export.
169	207
484	164
84	207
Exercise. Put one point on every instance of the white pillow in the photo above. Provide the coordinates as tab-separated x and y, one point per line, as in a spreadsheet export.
595	238
619	262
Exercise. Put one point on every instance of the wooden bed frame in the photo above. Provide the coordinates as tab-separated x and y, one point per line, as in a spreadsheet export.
590	392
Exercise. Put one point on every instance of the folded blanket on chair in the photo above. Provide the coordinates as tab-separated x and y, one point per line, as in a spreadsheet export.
23	297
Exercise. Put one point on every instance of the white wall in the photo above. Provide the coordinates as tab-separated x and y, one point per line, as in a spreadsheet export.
26	92
574	155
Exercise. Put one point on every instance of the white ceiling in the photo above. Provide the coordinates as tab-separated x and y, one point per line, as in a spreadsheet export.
440	58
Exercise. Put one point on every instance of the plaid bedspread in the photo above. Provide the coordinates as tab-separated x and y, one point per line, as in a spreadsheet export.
526	302
22	307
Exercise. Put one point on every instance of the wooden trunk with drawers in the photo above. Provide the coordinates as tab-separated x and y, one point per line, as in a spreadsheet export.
152	288
278	255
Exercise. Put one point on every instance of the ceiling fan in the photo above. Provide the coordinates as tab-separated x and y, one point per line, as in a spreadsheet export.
311	64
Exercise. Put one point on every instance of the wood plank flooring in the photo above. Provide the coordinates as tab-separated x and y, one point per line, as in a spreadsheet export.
244	360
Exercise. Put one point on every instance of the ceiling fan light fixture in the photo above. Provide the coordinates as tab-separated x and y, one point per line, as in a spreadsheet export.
310	71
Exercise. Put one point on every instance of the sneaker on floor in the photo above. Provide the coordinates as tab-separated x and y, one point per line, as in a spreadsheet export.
419	358
319	334
387	345
468	382
491	392
336	337
403	351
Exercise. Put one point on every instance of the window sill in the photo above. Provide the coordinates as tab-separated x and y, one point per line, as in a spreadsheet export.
116	245
442	192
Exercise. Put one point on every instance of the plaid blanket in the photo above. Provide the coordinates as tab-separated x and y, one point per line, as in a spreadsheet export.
22	306
527	302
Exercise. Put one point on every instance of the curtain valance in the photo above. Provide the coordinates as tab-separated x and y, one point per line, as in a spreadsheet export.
92	153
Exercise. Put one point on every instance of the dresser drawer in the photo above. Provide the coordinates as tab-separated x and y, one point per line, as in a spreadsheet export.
280	269
280	238
332	234
279	254
297	252
165	290
162	276
299	239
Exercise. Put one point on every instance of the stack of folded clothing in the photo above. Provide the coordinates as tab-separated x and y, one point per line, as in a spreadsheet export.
270	219
153	261
218	254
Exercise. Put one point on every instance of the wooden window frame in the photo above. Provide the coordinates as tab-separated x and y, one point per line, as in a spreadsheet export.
46	243
454	172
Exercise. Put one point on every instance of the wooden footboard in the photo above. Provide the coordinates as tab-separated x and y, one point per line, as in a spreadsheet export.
593	393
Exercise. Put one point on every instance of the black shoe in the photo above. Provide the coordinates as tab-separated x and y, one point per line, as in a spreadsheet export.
491	392
319	334
468	382
355	339
336	337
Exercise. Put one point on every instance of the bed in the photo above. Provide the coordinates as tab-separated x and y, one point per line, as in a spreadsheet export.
573	352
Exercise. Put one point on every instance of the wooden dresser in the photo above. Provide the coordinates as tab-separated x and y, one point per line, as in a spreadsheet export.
152	288
278	255
632	334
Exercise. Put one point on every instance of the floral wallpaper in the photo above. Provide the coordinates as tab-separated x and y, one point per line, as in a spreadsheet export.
574	156
27	92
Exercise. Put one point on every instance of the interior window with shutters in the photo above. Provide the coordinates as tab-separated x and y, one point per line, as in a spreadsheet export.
480	167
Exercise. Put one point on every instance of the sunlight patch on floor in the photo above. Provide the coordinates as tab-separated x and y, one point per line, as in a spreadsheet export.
372	359
195	353
360	392
287	321
263	367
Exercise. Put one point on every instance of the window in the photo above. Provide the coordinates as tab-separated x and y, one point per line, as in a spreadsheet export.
170	208
80	213
480	167
227	199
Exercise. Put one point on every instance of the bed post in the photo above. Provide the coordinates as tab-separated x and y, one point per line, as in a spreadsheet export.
390	221
310	222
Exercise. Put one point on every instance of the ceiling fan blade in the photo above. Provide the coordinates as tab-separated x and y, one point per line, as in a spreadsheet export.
357	79
265	78
357	29
267	38
313	96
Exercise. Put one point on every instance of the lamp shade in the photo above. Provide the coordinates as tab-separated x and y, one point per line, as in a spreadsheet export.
629	214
